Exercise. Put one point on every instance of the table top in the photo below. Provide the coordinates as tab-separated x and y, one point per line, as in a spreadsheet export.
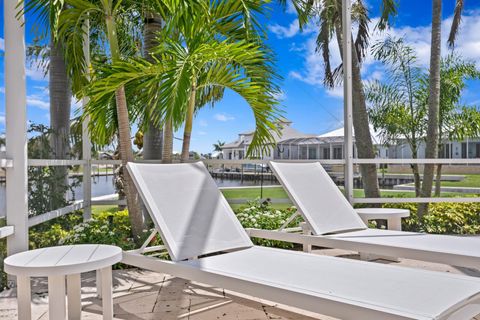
62	260
385	212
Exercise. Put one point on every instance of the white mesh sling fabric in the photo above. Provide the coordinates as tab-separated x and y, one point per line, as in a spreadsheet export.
317	197
188	210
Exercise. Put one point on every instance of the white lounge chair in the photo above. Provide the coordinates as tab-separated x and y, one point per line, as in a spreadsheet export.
207	244
335	224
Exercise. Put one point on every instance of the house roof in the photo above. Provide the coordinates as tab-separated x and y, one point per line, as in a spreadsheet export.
339	133
286	132
233	145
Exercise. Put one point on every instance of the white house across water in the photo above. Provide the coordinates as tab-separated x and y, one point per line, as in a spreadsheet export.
292	144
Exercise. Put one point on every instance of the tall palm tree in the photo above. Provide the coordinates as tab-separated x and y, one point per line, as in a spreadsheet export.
60	92
329	12
105	14
456	121
153	134
432	139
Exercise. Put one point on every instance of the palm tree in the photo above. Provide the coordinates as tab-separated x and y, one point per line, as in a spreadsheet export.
218	146
194	63
456	121
104	14
238	66
153	134
432	139
395	110
330	14
60	92
431	150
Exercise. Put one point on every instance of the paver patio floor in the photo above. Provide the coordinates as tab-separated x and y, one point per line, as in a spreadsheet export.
143	295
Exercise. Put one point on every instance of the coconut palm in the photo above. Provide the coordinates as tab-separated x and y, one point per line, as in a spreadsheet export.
456	121
153	134
329	13
432	139
60	92
104	16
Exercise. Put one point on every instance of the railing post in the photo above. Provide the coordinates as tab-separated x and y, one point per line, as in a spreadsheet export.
347	97
16	126
86	143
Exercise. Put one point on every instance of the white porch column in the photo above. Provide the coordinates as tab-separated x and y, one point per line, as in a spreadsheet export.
86	143
331	151
347	97
16	126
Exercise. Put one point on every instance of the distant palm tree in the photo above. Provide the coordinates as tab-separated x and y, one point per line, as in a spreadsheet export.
218	146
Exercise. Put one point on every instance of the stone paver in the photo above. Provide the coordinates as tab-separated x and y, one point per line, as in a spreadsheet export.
145	295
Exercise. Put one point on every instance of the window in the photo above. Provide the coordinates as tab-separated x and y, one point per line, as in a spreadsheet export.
312	152
326	153
337	153
303	152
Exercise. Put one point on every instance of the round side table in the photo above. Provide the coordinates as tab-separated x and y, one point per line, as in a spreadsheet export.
58	263
392	215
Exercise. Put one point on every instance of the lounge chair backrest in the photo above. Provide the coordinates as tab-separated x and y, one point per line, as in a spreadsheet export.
188	210
317	198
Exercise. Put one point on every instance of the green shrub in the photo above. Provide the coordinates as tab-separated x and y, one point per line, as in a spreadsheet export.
443	218
105	228
261	215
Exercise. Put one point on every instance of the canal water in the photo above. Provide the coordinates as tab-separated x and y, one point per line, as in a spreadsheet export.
103	185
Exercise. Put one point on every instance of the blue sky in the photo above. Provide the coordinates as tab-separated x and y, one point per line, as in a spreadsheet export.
311	107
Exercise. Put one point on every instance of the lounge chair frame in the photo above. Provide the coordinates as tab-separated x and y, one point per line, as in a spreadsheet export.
349	241
339	305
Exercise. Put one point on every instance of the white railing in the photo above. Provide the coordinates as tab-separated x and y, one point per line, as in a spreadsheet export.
80	204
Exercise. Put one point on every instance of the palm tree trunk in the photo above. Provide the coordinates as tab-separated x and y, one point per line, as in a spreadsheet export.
60	92
438	181
187	133
125	144
416	172
167	142
363	139
431	150
153	135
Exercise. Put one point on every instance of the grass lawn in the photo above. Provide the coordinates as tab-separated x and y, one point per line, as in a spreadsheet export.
252	193
100	209
471	180
279	193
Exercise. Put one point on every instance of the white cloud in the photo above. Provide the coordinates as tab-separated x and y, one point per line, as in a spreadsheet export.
202	123
2	119
285	32
35	73
223	117
202	133
336	92
2	89
468	45
34	101
2	44
291	30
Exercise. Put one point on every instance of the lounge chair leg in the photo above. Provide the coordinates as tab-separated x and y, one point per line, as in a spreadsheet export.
306	230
